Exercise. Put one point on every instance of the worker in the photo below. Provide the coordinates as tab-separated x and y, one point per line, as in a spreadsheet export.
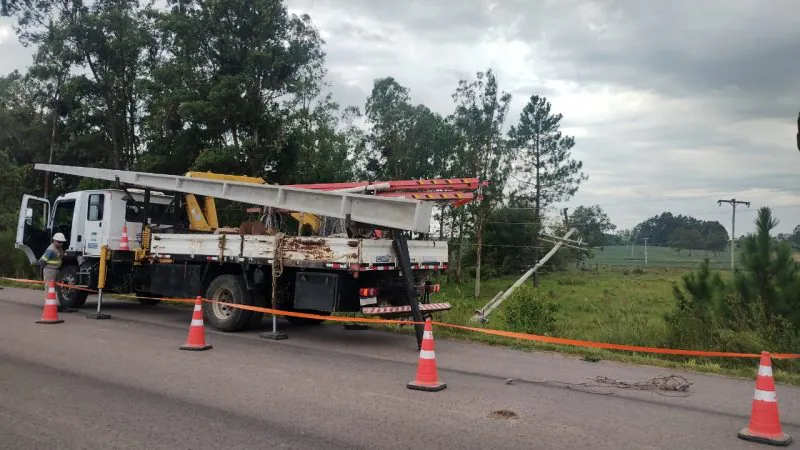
50	262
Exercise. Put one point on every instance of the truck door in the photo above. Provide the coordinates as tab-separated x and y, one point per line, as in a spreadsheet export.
33	237
93	226
62	221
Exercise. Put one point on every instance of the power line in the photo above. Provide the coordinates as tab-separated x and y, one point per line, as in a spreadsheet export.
705	213
675	199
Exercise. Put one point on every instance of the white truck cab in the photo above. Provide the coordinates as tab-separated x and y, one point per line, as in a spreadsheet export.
88	219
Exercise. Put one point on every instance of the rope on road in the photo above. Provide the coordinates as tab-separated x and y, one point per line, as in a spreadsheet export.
659	385
670	383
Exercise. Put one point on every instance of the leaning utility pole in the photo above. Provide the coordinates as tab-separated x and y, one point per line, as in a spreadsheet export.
733	202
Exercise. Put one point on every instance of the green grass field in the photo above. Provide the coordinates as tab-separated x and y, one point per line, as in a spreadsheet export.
615	305
624	256
612	304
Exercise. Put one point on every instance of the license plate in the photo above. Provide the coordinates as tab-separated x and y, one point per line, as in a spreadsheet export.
366	301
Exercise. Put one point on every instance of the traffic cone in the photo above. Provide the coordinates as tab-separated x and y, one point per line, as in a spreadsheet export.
50	310
123	241
197	333
765	423
427	376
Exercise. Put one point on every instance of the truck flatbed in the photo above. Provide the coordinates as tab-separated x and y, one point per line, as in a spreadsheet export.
352	254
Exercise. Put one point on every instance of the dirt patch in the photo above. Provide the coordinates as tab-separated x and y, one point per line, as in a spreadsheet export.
503	414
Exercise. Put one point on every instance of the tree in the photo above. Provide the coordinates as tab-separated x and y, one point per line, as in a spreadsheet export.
404	141
716	237
592	224
686	239
510	232
664	229
231	85
11	190
543	154
767	272
479	117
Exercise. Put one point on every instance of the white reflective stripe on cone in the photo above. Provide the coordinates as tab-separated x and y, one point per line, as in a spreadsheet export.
765	371
50	301
427	354
427	335
198	307
51	290
197	322
765	396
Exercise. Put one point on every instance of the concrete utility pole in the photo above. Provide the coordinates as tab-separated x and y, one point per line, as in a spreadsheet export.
645	250
733	202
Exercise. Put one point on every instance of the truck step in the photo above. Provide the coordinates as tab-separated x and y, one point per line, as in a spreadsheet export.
406	309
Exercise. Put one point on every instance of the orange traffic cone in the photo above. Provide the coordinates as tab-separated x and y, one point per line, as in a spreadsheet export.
765	423
50	311
197	333
123	241
427	376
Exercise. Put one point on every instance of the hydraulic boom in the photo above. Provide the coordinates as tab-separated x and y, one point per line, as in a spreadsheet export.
389	212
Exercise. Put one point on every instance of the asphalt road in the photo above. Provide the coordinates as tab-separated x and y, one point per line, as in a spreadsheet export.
123	383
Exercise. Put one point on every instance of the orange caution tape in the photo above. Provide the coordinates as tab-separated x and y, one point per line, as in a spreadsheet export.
507	334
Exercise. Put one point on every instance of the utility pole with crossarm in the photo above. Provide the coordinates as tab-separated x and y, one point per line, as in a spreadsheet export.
733	202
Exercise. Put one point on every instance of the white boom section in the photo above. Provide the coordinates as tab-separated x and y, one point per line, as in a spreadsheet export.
389	212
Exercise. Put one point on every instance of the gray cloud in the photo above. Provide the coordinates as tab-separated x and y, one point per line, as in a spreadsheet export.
723	78
684	98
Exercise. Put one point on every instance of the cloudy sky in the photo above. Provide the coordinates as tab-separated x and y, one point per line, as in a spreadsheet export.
673	104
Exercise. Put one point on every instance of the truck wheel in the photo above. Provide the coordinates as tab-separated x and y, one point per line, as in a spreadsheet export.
305	321
255	319
229	289
70	298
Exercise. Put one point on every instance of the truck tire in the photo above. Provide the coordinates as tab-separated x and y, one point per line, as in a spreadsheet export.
230	289
70	298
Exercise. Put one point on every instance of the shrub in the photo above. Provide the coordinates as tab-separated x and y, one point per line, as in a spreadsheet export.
528	312
14	263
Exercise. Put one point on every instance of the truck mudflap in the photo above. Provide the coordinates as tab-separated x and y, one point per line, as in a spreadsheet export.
404	310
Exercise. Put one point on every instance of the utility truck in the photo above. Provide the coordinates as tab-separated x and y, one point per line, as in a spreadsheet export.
357	272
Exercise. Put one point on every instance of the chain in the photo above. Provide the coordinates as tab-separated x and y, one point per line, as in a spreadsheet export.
277	261
277	267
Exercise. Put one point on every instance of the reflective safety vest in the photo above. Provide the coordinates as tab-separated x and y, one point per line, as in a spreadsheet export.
51	257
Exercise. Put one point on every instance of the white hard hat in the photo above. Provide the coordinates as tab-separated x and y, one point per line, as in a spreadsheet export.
59	237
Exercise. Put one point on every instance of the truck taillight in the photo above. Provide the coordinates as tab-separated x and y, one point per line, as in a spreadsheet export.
367	292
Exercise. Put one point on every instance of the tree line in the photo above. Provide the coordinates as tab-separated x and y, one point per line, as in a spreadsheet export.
239	87
680	233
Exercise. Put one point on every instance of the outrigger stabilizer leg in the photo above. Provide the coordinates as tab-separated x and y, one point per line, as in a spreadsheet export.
400	243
